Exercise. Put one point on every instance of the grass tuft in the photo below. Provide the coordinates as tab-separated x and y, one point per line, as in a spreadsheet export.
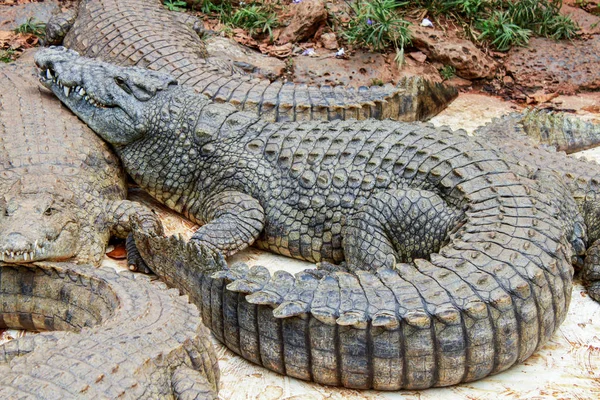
33	27
377	25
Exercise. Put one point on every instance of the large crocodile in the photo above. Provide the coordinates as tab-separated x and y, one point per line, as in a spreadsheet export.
143	33
63	190
457	259
104	335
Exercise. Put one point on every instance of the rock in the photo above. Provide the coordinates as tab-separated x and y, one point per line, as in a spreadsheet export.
14	16
418	56
246	58
361	69
507	80
329	41
589	23
564	67
412	67
458	82
306	18
468	60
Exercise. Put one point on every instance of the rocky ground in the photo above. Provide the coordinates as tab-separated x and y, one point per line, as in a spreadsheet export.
554	75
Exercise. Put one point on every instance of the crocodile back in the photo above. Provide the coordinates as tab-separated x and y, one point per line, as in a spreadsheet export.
142	33
43	140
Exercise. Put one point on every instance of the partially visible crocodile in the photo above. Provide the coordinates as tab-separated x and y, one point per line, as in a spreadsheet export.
144	34
62	190
519	136
557	131
111	336
457	259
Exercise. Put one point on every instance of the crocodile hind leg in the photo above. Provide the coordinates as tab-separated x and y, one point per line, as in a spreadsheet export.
398	225
591	270
122	224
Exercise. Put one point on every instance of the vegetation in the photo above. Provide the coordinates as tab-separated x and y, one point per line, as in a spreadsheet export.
377	25
506	23
175	5
381	24
7	55
502	33
255	19
33	27
447	72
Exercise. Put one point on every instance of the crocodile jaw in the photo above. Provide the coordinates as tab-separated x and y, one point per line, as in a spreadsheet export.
113	101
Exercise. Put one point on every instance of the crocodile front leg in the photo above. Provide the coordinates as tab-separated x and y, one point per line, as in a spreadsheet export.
234	220
122	224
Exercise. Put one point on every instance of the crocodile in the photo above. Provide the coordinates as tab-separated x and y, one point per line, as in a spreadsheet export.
442	260
554	131
63	192
526	137
103	335
142	33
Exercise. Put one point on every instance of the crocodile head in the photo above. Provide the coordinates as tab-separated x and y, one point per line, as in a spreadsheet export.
118	103
38	221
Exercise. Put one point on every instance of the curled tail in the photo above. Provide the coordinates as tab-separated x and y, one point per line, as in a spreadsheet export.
491	297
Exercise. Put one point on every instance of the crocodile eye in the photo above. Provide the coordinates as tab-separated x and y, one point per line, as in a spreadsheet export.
122	84
50	211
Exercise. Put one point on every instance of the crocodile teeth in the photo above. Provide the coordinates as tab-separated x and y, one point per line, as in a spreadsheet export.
67	90
12	254
81	92
49	74
25	256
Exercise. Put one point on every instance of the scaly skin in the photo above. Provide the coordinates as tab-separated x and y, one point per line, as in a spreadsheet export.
104	335
512	134
63	191
486	277
559	131
142	33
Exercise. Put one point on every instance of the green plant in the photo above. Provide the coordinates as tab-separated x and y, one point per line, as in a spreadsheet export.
209	7
542	17
447	72
255	19
377	25
7	55
175	5
505	23
561	27
32	26
502	32
376	82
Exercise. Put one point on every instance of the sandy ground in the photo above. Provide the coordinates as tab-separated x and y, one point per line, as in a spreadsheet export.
567	367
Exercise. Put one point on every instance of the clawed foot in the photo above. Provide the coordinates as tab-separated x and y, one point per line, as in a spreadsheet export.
135	262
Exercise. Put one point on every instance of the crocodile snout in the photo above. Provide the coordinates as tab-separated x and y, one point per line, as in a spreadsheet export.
17	247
